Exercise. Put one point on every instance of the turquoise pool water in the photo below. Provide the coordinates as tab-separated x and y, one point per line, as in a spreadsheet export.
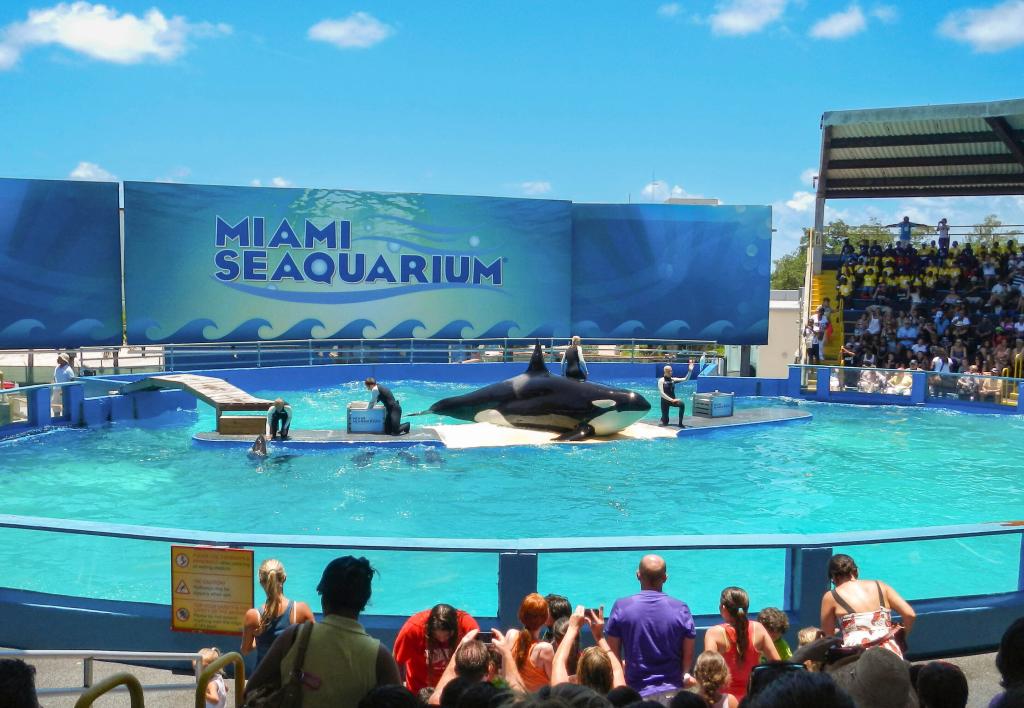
850	468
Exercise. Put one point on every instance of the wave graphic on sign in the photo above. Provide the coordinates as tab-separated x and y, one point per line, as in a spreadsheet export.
340	298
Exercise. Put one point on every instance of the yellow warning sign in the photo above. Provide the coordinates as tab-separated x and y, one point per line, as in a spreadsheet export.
211	588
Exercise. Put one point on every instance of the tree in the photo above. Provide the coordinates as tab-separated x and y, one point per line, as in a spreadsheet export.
788	271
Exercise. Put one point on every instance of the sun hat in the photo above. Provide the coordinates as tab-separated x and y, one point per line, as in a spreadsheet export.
879	679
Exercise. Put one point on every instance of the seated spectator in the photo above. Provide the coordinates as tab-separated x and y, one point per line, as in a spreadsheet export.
968	385
557	638
740	641
941	685
652	632
870	381
776	623
17	684
390	696
991	387
597	667
712	676
558	606
804	637
879	679
261	627
427	641
532	656
900	382
624	696
800	689
473	662
342	661
1010	659
862	609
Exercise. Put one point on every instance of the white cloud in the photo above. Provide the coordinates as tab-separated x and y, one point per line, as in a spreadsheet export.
801	201
659	191
885	13
535	188
91	172
100	32
840	24
274	181
360	30
670	9
741	17
992	29
175	175
808	176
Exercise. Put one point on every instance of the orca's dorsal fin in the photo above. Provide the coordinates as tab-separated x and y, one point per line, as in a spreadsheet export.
537	364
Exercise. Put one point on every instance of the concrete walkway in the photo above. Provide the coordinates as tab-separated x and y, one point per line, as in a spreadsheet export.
982	678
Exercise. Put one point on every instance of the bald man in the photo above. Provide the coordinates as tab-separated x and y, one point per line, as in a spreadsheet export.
653	633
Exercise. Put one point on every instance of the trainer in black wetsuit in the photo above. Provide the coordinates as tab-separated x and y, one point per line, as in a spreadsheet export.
667	390
393	424
574	366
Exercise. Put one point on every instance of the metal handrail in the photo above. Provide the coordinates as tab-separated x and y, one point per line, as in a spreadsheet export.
208	673
510	545
90	695
977	374
88	657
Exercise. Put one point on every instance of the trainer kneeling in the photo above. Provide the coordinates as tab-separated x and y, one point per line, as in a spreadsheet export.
393	424
667	392
279	418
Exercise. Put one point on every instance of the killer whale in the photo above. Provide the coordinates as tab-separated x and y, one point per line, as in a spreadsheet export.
537	399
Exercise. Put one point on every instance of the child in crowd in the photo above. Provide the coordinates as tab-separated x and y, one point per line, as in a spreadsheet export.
777	624
216	691
712	677
806	636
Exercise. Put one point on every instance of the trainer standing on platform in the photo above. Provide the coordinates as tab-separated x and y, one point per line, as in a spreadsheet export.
574	366
667	389
279	417
393	424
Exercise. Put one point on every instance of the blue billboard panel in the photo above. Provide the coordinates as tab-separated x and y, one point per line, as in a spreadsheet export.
61	263
207	263
667	271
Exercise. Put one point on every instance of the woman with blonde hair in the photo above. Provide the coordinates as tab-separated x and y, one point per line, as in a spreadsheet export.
598	667
262	626
533	657
574	366
739	640
712	676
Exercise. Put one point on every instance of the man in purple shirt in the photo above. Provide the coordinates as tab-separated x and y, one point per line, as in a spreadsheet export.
652	632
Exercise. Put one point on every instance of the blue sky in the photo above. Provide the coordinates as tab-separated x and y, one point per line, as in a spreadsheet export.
588	101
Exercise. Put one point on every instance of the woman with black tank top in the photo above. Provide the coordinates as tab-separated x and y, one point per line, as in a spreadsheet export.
574	366
262	626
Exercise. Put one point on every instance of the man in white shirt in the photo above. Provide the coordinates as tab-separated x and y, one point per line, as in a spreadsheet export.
63	373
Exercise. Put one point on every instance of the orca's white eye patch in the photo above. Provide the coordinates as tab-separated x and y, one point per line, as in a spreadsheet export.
603	403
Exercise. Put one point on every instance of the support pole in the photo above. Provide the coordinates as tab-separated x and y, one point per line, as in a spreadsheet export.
517	578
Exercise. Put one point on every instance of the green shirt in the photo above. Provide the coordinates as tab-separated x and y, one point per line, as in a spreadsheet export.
340	666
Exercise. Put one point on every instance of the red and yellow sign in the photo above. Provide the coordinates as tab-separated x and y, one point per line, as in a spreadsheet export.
211	588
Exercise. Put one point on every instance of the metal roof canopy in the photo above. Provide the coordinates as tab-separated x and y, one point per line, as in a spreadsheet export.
966	149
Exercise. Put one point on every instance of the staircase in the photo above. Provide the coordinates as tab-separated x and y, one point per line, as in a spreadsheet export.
823	286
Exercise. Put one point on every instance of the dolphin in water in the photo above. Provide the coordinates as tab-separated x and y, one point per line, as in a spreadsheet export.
537	399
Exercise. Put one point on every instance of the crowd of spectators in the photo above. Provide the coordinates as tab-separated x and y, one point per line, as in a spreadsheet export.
941	307
643	655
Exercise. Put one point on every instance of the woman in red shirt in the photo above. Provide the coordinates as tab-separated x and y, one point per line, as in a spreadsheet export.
427	641
739	640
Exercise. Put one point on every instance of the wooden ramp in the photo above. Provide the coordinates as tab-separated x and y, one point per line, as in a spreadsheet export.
224	397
